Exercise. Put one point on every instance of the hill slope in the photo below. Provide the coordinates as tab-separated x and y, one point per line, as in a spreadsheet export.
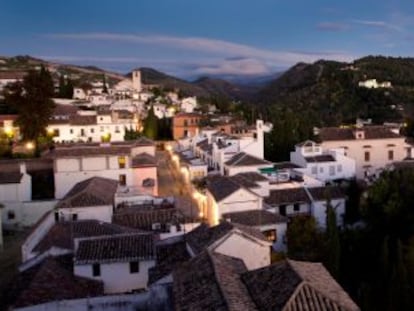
328	92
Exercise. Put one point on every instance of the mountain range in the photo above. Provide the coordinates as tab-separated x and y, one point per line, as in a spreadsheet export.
329	89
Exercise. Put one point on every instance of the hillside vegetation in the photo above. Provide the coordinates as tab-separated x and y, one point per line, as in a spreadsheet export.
328	92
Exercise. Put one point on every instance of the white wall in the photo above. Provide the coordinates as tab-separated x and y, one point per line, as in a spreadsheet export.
378	151
17	192
241	200
254	254
38	233
99	213
25	213
117	277
319	211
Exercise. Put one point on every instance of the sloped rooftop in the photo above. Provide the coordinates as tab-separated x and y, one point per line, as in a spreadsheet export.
95	191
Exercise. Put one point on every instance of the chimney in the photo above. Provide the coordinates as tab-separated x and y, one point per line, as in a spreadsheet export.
23	168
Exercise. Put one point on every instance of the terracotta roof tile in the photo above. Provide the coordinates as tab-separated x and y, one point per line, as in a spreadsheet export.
244	159
221	187
252	176
126	247
94	191
82	120
370	132
10	177
287	196
52	280
143	219
169	257
211	281
293	285
203	236
255	218
61	234
143	160
323	193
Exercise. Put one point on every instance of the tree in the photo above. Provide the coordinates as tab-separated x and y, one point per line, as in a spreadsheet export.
151	124
62	85
32	100
304	239
104	87
333	247
65	87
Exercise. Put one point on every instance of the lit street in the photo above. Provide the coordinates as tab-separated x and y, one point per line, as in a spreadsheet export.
171	183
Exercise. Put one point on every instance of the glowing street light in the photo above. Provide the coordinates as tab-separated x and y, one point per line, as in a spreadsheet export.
9	132
29	145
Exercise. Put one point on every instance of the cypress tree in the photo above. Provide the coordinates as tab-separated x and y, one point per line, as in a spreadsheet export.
151	124
333	243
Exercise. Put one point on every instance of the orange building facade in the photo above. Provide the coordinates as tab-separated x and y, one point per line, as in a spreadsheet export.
186	125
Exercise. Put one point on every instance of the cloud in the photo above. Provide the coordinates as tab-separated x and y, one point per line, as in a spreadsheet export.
379	24
209	46
235	67
332	26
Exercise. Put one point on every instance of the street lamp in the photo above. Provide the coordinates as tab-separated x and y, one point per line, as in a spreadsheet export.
29	145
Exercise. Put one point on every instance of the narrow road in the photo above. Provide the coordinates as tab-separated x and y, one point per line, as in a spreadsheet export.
171	183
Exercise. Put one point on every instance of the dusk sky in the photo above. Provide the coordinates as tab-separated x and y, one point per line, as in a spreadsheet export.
190	38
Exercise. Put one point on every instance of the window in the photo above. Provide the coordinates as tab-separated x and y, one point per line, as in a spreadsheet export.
122	180
331	170
82	132
282	210
71	131
390	155
74	217
102	129
339	168
134	267
121	161
11	215
56	133
321	169
270	235
314	170
96	269
116	129
92	130
185	123
56	217
366	156
296	207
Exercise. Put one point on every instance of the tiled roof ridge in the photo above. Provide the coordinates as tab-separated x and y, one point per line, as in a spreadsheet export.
306	282
216	276
242	156
113	236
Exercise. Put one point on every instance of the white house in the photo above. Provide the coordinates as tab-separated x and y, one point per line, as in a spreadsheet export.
231	239
90	126
121	262
188	104
243	162
9	77
215	148
226	195
373	84
372	147
131	163
15	188
310	201
272	226
324	165
79	93
92	198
